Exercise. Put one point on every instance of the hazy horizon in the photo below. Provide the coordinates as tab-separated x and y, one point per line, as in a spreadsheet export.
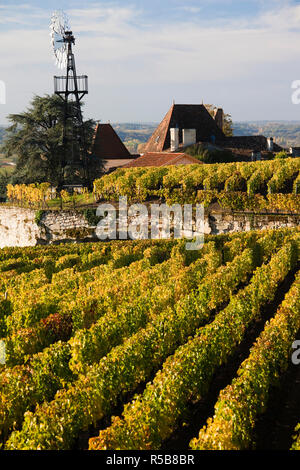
155	123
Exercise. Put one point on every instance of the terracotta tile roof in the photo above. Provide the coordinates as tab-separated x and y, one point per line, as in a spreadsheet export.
162	159
107	145
184	116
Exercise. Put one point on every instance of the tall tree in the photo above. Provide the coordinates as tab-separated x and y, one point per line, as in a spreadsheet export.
36	138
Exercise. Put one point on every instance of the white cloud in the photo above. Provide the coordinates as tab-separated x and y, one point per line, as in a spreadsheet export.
119	47
184	51
24	15
114	33
190	9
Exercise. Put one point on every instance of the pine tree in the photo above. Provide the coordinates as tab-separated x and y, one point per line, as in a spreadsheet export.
36	138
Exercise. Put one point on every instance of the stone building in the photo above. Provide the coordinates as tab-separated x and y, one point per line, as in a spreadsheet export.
185	125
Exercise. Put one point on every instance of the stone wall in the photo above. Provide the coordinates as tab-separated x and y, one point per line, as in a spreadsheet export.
224	222
22	227
17	227
61	226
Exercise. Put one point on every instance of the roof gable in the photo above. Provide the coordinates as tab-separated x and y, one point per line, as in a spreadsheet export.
184	116
107	145
156	143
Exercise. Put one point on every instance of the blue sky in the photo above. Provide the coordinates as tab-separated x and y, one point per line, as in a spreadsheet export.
140	55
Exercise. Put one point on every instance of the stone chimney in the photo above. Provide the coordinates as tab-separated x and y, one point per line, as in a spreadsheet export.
270	144
219	118
174	137
295	151
189	137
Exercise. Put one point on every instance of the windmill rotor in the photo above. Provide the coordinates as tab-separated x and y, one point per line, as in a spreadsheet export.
58	28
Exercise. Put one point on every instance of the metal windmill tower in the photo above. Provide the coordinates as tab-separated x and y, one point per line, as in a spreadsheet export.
71	88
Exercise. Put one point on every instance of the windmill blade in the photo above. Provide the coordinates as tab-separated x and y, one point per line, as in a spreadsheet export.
58	27
60	22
